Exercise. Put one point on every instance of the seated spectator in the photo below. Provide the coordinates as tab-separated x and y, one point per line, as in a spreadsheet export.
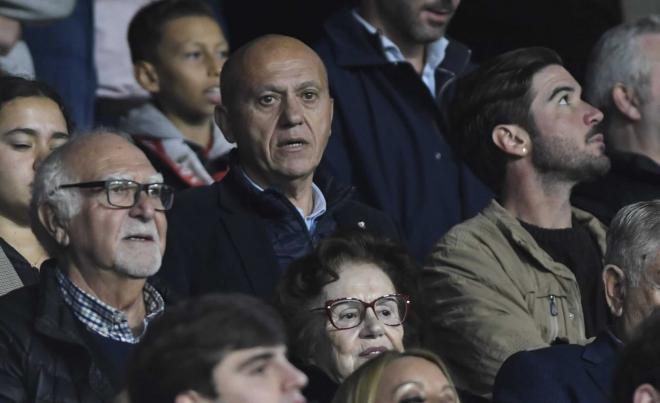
399	377
345	303
67	338
178	50
219	348
390	65
577	374
525	272
637	373
622	80
32	124
241	233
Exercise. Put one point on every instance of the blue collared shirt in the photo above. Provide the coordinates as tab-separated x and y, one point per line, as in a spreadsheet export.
101	318
318	199
435	52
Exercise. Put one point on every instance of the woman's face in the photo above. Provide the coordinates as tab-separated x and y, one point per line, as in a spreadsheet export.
30	128
350	348
414	380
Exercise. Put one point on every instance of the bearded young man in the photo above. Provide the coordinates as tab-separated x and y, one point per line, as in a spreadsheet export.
524	273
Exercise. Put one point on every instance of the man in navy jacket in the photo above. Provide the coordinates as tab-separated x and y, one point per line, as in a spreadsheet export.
390	66
238	235
583	374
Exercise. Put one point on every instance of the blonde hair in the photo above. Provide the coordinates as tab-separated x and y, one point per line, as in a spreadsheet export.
362	385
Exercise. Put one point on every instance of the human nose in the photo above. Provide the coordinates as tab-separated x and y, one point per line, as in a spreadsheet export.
214	64
143	208
593	115
372	327
293	378
292	114
40	153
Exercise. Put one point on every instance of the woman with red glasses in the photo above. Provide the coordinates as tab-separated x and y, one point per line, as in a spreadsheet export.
346	303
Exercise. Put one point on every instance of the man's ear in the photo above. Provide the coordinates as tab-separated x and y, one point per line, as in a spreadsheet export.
224	123
646	393
53	225
512	139
627	101
614	284
147	76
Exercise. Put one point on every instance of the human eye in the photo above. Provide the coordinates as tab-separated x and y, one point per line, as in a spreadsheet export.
193	55
310	95
348	313
121	187
565	100
412	399
267	100
21	145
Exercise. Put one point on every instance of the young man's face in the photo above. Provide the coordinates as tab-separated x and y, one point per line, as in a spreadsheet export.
191	53
258	374
567	145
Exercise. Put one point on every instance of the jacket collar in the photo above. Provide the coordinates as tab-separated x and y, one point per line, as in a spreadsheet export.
354	46
513	230
271	202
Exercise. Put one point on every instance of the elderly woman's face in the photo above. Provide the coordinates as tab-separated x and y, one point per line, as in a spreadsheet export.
414	379
350	348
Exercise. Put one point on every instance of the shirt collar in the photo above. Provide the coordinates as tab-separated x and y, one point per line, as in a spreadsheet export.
318	209
435	52
104	319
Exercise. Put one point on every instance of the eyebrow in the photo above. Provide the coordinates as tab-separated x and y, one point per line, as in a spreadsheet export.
32	132
256	358
406	383
564	88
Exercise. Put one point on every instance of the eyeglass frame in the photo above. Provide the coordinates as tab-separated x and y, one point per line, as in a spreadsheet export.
142	187
328	306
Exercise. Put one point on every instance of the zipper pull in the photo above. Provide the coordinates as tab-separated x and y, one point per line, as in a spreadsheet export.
553	306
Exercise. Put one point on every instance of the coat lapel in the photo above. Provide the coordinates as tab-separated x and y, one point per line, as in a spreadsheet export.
250	240
600	355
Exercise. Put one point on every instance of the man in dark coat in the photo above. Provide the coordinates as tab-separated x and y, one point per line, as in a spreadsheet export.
241	233
390	66
67	339
583	374
623	80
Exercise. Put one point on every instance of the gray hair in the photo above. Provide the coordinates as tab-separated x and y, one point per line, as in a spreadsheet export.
633	239
618	58
54	172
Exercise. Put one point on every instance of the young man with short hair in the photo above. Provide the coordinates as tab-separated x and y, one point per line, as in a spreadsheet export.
228	348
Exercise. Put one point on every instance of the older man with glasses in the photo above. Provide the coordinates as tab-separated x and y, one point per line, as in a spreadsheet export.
98	206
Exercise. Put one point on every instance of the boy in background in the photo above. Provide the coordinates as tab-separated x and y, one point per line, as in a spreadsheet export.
178	51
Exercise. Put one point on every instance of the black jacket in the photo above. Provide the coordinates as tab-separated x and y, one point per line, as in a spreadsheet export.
218	239
45	353
387	138
632	178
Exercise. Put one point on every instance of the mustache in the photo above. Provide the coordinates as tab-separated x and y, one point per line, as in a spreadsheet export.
593	132
135	228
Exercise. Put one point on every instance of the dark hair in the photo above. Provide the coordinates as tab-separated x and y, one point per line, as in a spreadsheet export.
306	277
181	348
499	92
12	87
146	27
639	361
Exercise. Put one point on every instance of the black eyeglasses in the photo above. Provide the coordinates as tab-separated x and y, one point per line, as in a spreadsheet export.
347	313
125	193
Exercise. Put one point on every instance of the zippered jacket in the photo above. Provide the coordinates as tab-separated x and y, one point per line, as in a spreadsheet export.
492	291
